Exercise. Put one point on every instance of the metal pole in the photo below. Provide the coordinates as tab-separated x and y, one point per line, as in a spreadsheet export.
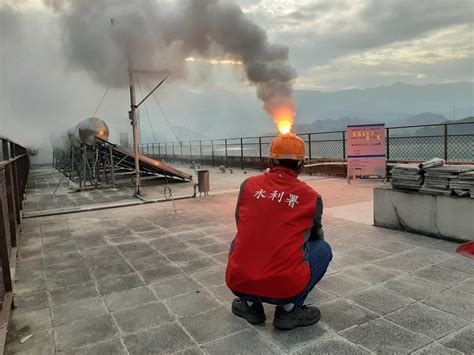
133	118
387	134
242	153
79	172
309	146
260	149
112	169
225	143
200	152
16	193
11	200
344	145
387	155
445	142
5	150
174	158
4	250
154	89
84	164
96	169
9	194
71	159
212	151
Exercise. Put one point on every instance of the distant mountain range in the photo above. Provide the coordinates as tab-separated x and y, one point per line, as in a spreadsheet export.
387	103
341	123
425	118
453	129
219	114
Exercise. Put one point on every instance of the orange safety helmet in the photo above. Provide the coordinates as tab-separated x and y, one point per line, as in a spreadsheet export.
287	146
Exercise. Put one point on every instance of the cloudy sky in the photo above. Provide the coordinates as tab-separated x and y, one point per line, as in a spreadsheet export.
333	45
341	44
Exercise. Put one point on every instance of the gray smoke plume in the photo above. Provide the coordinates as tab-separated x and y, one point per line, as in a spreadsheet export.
97	34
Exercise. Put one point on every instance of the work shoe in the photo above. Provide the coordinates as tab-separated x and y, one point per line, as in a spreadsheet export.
253	314
299	316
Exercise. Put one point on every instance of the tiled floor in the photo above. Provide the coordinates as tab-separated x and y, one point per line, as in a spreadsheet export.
49	190
143	279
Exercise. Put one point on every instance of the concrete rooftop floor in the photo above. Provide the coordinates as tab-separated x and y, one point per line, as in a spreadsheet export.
145	279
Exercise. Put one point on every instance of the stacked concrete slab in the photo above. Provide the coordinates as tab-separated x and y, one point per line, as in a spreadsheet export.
464	184
438	180
407	177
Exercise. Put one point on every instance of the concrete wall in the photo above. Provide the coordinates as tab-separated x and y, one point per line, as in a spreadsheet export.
446	217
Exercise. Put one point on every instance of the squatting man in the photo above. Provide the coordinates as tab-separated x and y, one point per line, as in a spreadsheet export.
279	253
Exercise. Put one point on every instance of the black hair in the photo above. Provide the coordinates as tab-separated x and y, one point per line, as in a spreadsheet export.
288	163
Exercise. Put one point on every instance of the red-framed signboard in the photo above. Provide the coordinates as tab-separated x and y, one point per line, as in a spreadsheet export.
366	151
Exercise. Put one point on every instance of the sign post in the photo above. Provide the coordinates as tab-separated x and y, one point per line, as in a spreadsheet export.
366	152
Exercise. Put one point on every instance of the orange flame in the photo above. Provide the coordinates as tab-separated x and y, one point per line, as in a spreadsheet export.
284	117
284	127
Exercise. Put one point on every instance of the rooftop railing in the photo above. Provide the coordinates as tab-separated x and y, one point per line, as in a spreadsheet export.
453	142
14	167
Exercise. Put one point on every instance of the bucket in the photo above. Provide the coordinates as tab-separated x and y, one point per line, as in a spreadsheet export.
203	181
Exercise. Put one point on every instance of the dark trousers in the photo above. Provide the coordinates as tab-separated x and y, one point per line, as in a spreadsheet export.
319	256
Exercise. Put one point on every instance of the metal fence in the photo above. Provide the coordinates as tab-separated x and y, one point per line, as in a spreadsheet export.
453	142
14	167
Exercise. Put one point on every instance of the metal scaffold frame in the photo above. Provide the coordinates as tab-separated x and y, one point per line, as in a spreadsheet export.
103	162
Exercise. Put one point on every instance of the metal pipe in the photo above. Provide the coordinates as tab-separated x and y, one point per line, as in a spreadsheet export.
152	91
133	118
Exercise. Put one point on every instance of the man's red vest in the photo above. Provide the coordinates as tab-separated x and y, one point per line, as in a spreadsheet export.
274	217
